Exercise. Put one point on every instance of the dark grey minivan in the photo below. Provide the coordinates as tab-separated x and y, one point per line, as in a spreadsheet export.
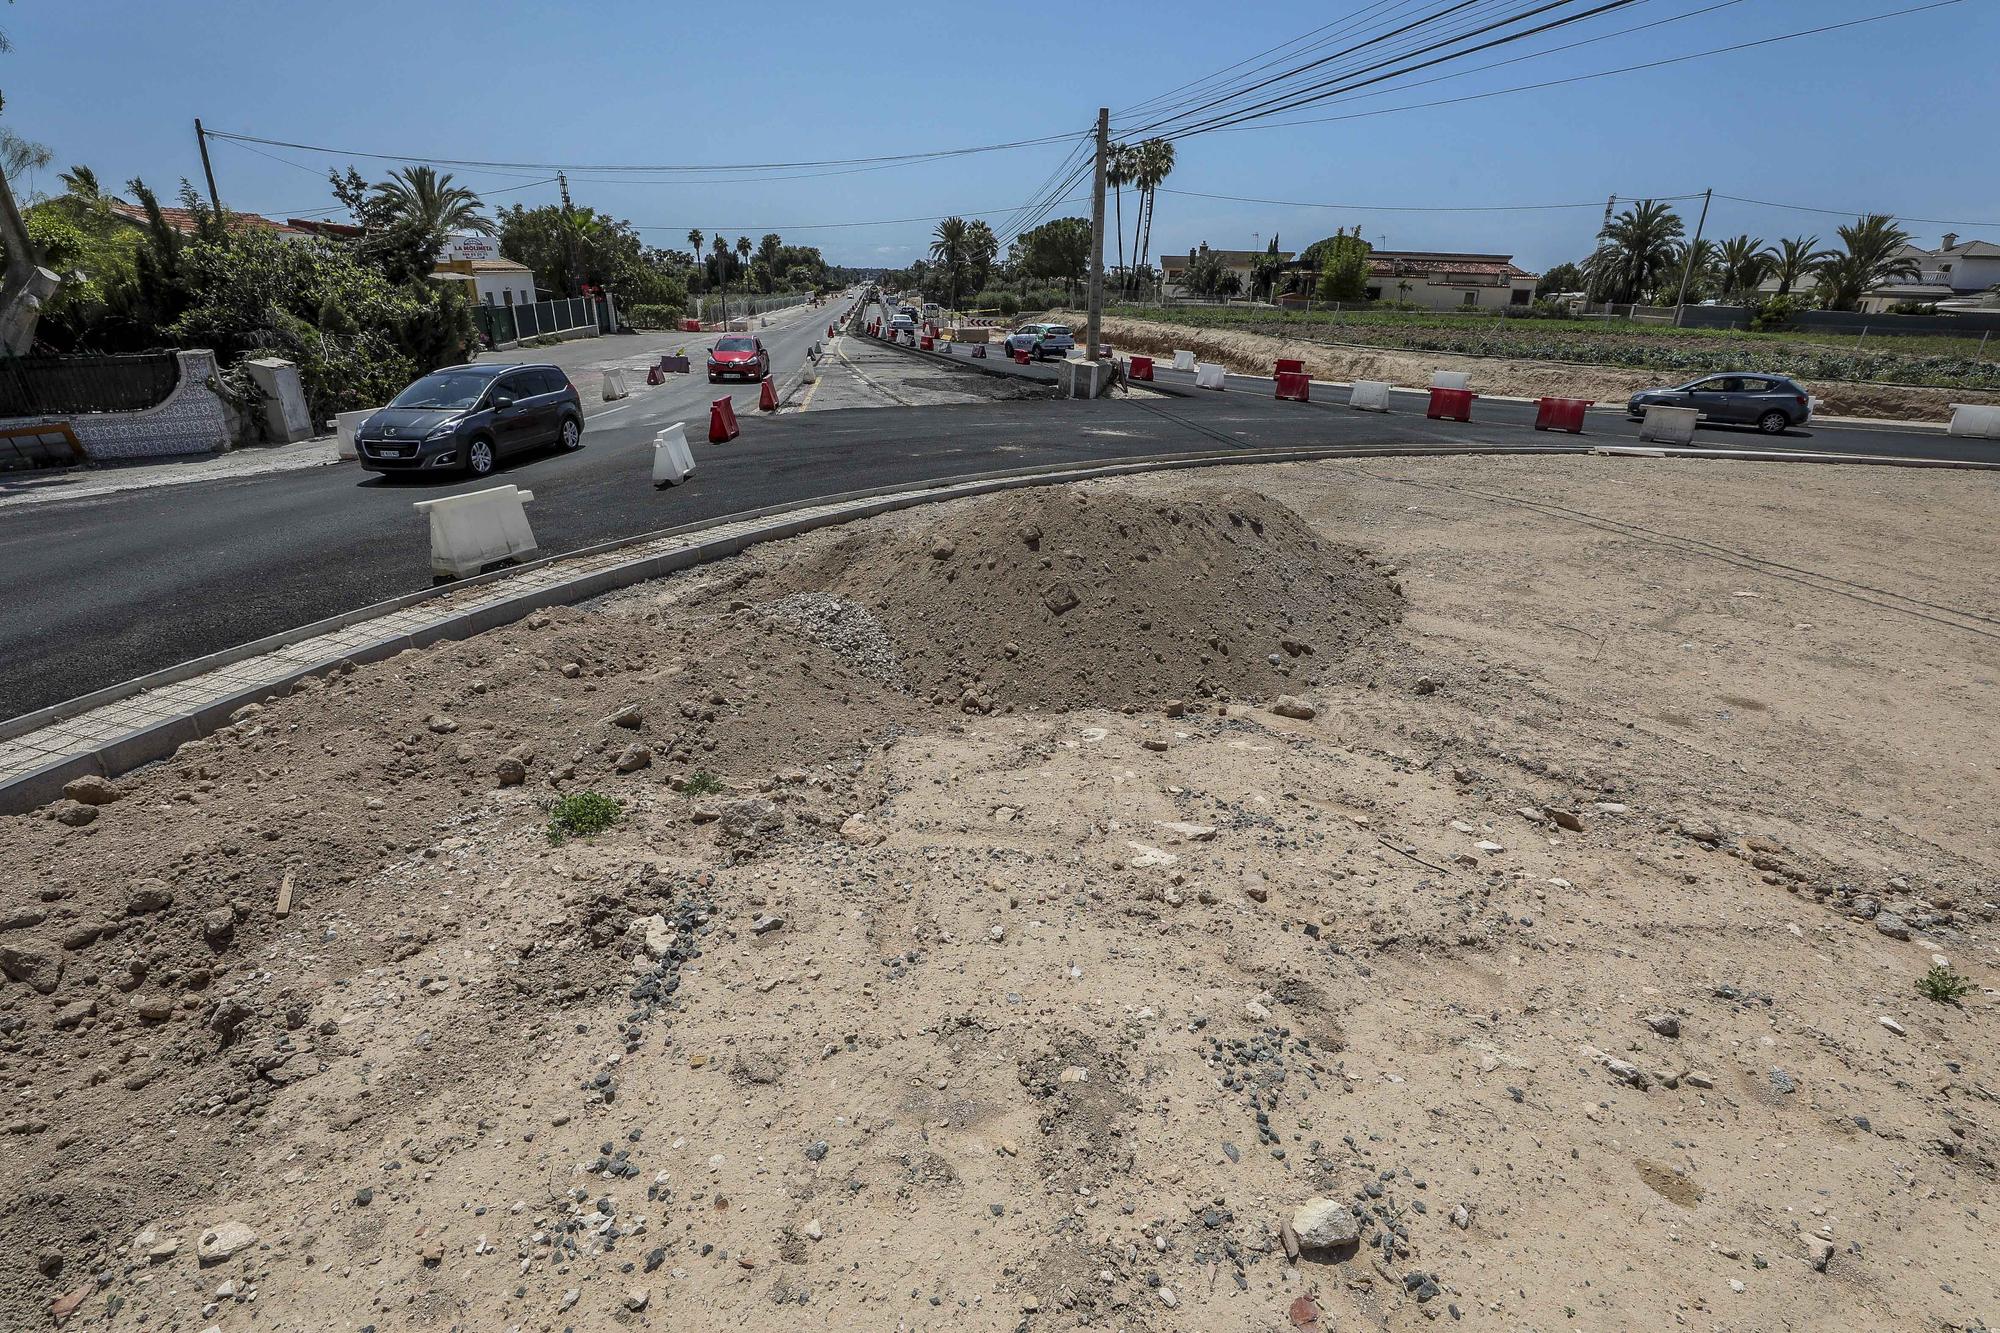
467	418
1771	403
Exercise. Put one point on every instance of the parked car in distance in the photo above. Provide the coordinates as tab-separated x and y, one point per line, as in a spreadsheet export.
1041	340
467	418
1771	403
739	355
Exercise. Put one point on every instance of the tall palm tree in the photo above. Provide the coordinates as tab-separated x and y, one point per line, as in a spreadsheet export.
1744	261
1120	165
1634	252
1871	254
427	203
722	274
981	245
1797	256
81	181
1155	163
949	248
1701	272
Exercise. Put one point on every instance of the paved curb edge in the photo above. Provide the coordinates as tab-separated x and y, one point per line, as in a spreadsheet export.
157	742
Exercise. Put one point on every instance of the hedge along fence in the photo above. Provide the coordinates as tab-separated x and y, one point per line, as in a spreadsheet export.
654	316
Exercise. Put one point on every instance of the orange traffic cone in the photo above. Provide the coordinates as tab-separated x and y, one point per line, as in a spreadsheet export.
767	401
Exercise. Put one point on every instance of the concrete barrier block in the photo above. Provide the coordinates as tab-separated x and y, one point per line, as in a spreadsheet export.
614	386
1369	396
286	417
1668	425
1976	420
1183	360
348	424
673	460
1207	375
1085	379
471	531
1451	379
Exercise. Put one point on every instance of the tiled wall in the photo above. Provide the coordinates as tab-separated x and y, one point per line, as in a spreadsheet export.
191	421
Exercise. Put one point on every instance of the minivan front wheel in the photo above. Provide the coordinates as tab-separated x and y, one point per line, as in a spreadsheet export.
572	434
1773	423
479	458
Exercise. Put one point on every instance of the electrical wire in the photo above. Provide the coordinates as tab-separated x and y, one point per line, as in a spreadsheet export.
931	155
1850	212
1424	208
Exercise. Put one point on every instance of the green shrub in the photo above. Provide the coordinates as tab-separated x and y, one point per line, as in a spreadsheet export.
1943	985
581	814
701	783
654	316
1010	304
1772	314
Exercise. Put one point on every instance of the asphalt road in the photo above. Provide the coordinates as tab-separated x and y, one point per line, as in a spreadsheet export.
100	590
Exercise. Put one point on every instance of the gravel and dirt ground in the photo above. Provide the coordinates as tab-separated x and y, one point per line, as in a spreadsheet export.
1254	353
1348	895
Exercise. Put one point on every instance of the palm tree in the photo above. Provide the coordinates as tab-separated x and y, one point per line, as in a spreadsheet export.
949	248
1872	255
981	245
1797	256
81	181
421	200
722	274
1634	252
1155	162
1120	165
1701	272
1745	261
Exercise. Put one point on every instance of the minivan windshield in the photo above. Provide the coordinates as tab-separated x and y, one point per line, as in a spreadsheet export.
734	345
454	389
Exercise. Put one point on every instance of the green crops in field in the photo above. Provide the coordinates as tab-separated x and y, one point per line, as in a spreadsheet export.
1676	353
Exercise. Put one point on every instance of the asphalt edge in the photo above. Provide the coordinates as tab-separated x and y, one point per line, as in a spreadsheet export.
157	742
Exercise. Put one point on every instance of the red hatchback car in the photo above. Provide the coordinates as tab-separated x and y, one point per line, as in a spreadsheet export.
738	355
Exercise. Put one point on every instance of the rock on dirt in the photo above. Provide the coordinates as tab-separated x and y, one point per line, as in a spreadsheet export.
1324	1224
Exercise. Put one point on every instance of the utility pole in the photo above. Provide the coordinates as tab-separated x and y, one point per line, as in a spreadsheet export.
569	226
1094	327
1687	269
215	200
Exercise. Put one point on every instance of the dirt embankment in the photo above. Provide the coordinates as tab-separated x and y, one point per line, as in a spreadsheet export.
1254	353
1147	904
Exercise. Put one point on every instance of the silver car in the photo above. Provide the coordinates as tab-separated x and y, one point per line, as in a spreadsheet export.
1041	340
1771	403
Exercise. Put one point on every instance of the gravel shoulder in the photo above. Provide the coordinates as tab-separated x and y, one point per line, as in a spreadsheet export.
1514	888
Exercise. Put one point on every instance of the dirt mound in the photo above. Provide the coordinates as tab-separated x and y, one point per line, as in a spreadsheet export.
1069	596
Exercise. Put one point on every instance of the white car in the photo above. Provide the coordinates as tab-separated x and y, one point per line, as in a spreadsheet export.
902	324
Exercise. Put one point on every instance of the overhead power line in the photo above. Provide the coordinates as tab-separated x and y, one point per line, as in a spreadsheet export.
1851	212
1424	208
657	168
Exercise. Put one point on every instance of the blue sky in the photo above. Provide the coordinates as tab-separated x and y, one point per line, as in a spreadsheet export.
1894	116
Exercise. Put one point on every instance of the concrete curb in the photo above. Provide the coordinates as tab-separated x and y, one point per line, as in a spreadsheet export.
136	746
967	363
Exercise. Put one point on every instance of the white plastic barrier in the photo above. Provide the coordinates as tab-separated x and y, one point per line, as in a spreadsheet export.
1183	360
1208	375
469	532
1976	420
1668	425
614	386
345	425
1369	396
673	461
1451	379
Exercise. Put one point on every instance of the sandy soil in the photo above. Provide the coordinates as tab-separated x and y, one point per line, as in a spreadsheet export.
1545	892
1254	353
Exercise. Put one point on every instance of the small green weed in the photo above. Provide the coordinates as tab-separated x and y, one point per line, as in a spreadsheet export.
702	783
1943	985
581	814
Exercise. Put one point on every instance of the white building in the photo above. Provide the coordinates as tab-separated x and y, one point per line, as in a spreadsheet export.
1956	275
494	280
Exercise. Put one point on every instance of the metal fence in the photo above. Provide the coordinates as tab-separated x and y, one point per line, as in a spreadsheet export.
710	304
32	386
511	323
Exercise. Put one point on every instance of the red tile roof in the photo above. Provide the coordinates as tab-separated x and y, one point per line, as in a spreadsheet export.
183	221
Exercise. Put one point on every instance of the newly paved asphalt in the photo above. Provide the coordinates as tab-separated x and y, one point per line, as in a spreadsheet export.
102	590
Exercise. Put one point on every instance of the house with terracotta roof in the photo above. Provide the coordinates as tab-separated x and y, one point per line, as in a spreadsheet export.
1449	280
183	220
